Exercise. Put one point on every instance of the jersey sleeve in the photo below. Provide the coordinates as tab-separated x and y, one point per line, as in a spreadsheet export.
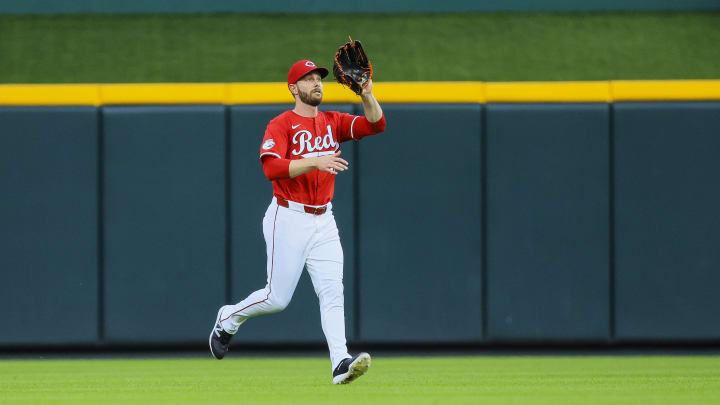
355	127
344	124
274	143
276	169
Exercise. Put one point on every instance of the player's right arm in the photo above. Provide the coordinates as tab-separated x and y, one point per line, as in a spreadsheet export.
277	168
328	163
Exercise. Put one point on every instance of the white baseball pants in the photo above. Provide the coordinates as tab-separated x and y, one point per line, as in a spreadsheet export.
295	240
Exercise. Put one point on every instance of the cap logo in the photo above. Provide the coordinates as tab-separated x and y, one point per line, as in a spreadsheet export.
309	64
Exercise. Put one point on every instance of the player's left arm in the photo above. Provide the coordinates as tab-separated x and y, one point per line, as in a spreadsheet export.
373	111
356	127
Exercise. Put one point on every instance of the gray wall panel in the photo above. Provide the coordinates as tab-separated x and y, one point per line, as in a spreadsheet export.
48	225
251	194
164	222
548	222
667	220
419	226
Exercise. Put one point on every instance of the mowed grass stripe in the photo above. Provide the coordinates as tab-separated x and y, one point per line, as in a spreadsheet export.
394	380
402	47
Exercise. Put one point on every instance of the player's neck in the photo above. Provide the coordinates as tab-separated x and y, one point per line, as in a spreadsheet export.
305	110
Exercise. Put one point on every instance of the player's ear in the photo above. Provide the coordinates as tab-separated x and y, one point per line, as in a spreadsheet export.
293	89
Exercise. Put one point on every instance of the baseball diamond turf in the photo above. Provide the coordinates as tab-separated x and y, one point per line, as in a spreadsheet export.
402	47
522	380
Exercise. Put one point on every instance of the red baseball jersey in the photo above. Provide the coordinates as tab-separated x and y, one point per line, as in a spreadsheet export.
292	136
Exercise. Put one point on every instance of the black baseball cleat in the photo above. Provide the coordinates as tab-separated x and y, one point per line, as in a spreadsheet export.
351	368
219	339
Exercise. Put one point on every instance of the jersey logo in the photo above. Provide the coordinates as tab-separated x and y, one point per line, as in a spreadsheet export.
267	145
305	142
295	126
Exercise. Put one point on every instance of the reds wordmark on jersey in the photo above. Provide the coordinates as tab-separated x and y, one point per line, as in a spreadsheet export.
292	136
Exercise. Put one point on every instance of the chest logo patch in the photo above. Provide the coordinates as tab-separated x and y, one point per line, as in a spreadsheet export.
267	145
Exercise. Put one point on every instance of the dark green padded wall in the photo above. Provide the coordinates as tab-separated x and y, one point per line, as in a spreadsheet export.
667	227
48	225
251	194
548	222
324	6
419	226
164	222
418	207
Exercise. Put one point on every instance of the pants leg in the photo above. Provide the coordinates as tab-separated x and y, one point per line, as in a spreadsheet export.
325	266
287	235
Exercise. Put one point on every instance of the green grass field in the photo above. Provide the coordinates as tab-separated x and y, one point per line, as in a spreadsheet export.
391	380
487	47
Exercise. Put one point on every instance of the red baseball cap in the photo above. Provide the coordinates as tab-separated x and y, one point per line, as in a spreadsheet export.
303	67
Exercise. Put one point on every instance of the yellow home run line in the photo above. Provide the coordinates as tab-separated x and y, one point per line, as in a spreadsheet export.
387	92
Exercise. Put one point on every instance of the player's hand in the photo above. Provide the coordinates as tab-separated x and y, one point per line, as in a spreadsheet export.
331	163
367	89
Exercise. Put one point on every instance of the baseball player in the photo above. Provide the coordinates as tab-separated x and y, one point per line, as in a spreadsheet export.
300	155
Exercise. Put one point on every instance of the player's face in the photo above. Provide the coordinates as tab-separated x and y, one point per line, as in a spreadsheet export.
310	89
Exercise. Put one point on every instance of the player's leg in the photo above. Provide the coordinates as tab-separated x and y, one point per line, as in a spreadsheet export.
286	237
287	234
325	266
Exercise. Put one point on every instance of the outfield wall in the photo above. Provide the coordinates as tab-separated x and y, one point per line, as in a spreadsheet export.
325	6
494	222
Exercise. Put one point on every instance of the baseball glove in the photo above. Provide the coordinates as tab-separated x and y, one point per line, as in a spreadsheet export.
352	67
